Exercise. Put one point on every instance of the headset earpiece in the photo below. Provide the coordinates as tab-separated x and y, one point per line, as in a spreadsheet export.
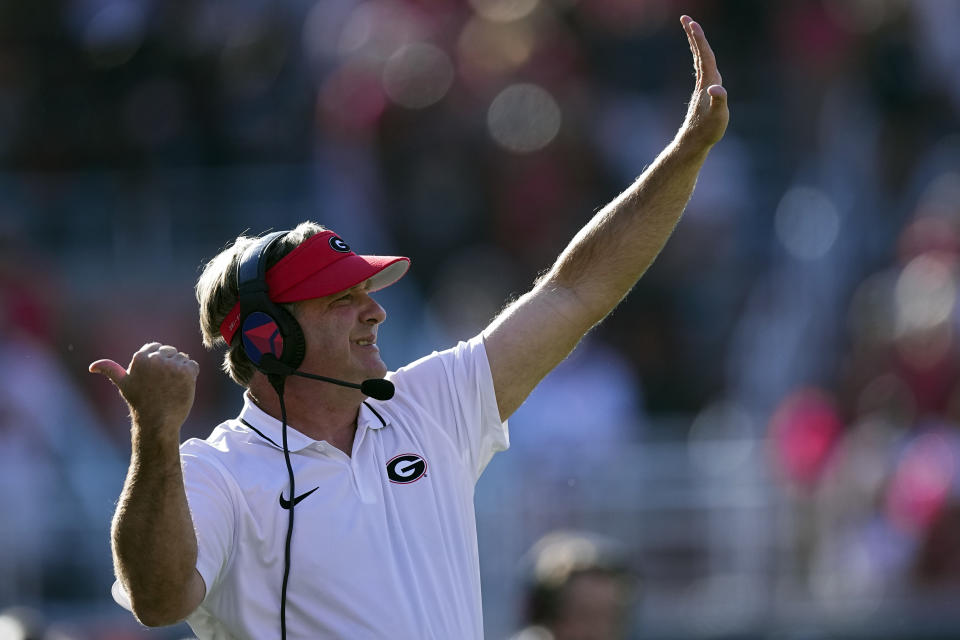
271	336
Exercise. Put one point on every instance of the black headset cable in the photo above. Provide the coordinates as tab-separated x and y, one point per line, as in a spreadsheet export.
278	381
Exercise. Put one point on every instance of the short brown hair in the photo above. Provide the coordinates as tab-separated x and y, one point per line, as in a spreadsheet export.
217	294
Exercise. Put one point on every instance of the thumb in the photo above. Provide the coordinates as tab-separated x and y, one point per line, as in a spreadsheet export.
110	369
718	95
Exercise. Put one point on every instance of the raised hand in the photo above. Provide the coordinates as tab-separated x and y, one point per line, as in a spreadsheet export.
707	114
158	386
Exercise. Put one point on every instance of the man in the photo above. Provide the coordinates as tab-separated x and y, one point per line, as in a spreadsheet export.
579	587
387	545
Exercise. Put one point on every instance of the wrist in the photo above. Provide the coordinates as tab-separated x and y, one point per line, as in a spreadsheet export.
689	147
155	430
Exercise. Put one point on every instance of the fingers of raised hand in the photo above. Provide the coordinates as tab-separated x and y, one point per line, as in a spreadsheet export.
704	61
687	22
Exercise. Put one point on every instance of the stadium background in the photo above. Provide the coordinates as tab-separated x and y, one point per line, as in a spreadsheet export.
768	423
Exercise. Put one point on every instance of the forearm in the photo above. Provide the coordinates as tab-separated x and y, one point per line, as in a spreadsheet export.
605	259
154	545
610	253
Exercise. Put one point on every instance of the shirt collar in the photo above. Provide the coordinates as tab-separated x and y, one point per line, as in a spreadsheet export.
372	417
271	428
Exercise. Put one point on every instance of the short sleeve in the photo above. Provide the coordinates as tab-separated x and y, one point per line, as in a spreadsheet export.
212	511
456	387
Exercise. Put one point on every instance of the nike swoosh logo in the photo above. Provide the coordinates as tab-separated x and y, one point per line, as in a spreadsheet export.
286	503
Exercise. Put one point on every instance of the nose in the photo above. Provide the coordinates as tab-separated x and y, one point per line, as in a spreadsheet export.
372	312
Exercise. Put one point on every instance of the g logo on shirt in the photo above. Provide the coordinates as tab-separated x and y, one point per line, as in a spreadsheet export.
406	468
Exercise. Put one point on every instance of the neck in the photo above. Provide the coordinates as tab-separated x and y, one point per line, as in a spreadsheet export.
316	409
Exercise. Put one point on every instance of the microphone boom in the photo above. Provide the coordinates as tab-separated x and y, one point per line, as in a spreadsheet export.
376	388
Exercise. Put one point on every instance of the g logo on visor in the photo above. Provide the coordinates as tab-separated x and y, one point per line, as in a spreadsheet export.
339	245
261	335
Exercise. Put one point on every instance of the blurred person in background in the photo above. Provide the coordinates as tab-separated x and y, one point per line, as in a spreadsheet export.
579	587
203	542
874	465
57	467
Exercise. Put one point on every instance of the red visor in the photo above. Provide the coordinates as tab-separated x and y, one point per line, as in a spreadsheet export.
323	264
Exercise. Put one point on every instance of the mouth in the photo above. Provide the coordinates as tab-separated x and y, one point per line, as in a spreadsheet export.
368	341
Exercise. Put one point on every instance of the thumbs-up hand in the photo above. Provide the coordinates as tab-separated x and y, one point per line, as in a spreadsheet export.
158	386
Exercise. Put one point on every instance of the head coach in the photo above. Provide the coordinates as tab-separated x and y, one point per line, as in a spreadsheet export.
339	503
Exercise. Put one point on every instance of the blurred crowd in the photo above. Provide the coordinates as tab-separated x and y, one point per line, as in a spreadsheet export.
794	348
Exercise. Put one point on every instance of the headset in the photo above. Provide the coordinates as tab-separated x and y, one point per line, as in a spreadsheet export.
272	337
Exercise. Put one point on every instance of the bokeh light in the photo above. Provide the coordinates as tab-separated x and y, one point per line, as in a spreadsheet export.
922	481
114	33
417	75
488	49
807	223
803	432
12	629
504	10
322	27
376	29
524	118
925	294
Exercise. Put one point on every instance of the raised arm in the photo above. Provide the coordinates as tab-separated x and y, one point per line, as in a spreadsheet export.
154	545
610	253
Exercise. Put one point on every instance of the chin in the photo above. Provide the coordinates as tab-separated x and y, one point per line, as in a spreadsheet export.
373	370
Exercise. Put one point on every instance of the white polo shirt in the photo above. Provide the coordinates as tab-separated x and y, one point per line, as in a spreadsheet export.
384	541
